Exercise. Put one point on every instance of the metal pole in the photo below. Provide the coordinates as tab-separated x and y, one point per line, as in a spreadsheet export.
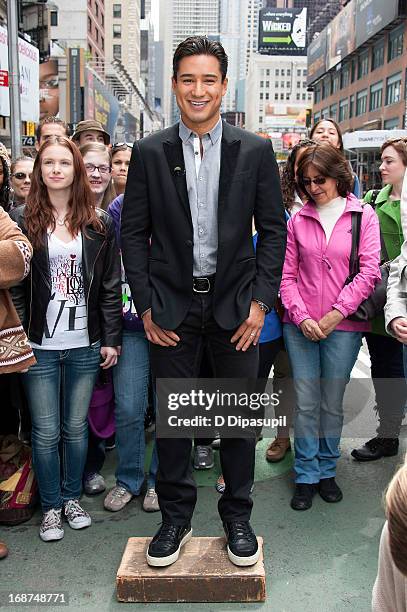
14	79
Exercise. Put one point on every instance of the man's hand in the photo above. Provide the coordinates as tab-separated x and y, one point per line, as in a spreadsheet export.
249	331
311	330
399	326
156	335
110	355
328	322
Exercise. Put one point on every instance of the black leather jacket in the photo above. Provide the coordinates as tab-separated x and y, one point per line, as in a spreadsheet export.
101	278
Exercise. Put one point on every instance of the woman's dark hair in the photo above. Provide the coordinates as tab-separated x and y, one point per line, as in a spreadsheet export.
338	129
5	188
200	45
329	162
38	211
288	184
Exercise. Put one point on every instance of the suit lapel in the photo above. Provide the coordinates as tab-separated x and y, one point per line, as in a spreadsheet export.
230	148
175	159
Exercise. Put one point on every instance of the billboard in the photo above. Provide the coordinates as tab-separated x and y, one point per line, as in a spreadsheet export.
28	56
372	16
316	57
283	31
341	40
281	116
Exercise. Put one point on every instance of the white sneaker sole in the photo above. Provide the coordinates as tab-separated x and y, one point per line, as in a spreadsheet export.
80	525
164	561
52	535
243	561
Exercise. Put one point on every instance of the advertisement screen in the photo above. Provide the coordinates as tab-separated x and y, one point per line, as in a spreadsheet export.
283	31
316	57
341	35
372	16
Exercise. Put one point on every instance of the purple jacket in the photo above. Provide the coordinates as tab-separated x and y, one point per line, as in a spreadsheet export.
131	320
314	272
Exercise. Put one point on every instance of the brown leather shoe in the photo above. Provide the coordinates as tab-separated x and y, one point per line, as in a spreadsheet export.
278	449
3	550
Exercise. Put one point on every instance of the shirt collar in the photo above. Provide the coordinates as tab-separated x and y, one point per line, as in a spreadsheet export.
185	132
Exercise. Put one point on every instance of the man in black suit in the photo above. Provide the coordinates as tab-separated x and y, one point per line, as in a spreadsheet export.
193	189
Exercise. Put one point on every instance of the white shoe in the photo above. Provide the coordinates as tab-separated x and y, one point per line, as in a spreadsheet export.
76	516
51	526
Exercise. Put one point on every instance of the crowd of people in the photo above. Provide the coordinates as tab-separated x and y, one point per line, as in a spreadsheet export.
60	260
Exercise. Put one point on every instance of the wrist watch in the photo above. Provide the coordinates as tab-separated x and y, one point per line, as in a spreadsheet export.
262	305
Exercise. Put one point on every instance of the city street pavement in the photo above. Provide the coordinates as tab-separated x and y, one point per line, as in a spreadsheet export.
321	560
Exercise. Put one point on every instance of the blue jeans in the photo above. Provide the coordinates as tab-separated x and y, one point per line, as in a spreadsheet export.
131	378
321	371
59	388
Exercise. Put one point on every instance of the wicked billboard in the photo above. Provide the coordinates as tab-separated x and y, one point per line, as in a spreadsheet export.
283	31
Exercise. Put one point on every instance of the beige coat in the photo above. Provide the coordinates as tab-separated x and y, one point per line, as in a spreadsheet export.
390	588
15	255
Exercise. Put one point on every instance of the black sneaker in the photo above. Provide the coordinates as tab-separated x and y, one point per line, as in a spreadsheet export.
203	458
376	449
329	490
165	546
243	548
303	494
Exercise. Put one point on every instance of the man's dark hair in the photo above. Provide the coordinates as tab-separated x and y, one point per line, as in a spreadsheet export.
51	119
200	45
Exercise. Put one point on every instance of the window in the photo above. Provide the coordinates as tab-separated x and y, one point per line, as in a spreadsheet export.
277	72
304	84
361	102
393	89
351	105
103	21
317	117
97	10
363	65
345	73
352	70
376	96
267	96
287	84
391	124
261	83
276	96
317	95
298	73
304	96
298	95
396	41
326	87
287	96
281	96
54	18
267	84
335	83
275	84
117	11
333	111
325	113
117	51
378	55
89	24
298	84
282	72
288	72
304	72
343	110
261	95
117	30
103	43
268	72
281	83
260	119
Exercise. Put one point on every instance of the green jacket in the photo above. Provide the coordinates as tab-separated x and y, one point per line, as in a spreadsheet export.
388	212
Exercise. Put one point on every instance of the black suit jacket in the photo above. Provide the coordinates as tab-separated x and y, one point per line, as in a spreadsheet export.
156	206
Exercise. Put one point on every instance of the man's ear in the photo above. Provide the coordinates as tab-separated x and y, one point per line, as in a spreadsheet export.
173	83
225	86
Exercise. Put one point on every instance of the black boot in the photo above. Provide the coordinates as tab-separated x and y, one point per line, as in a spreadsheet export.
303	494
376	449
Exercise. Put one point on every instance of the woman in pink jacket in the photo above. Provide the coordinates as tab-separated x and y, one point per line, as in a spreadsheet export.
322	343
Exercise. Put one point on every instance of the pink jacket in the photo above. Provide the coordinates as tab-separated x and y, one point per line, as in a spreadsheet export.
314	272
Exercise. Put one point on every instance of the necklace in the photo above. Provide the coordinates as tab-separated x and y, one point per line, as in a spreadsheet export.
60	222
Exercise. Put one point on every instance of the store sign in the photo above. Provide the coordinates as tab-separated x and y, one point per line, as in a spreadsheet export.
29	78
283	31
370	139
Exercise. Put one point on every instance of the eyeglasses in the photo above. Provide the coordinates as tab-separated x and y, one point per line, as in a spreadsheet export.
103	169
122	144
321	180
21	176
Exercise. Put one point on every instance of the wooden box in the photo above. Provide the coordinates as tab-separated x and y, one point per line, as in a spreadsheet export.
203	573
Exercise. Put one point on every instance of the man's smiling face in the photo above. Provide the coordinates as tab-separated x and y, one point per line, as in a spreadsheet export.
199	90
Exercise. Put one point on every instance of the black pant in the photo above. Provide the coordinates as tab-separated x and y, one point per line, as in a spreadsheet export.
175	485
386	355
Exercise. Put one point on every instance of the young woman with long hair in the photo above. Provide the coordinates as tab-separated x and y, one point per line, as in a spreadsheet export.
70	307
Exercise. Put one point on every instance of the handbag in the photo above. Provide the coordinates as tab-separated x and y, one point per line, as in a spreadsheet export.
372	306
18	487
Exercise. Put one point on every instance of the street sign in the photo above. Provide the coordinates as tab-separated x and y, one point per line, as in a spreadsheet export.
28	141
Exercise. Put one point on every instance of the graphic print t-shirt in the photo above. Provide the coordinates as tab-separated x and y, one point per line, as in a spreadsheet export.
66	325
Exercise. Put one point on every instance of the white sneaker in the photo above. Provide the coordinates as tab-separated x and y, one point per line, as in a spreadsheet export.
150	503
76	516
117	498
51	526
